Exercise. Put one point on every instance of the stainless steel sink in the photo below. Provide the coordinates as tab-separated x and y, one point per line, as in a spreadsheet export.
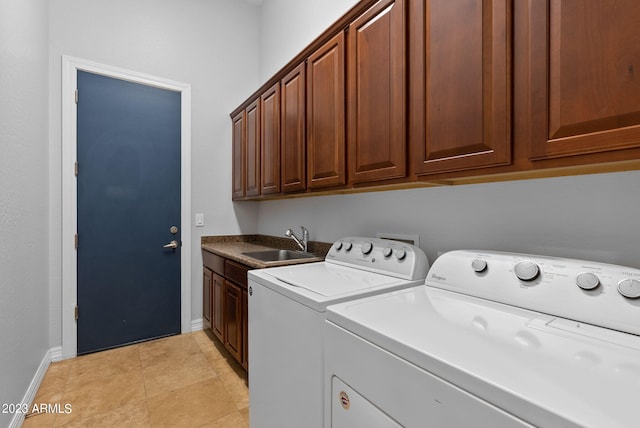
278	255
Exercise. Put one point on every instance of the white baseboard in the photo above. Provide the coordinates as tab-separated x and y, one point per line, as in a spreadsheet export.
56	354
18	418
196	325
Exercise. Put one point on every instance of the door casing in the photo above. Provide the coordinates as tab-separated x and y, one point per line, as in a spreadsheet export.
70	67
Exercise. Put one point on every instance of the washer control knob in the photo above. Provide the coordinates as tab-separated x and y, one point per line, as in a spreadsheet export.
401	254
366	247
386	251
526	270
339	245
587	281
348	246
479	265
629	288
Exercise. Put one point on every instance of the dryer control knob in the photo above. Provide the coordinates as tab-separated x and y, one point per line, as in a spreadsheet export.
479	265
386	251
348	246
339	245
629	288
587	281
526	270
367	247
401	254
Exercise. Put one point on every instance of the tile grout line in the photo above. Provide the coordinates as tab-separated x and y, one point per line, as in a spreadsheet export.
144	382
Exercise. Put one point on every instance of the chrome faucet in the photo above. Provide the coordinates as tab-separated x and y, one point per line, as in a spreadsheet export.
305	238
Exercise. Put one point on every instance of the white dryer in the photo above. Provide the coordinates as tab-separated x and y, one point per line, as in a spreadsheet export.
491	340
287	308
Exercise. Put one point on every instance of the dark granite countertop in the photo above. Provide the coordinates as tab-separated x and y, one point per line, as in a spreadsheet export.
232	247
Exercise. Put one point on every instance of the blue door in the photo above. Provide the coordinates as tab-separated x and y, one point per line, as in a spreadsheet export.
128	152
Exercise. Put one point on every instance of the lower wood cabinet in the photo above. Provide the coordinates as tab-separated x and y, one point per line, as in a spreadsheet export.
233	319
245	329
217	306
207	277
225	303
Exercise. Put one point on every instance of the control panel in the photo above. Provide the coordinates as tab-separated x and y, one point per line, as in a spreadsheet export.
393	258
595	293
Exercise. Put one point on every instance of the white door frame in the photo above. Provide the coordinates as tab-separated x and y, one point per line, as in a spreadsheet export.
70	67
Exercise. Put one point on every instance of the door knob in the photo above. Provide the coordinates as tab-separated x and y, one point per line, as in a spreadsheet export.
173	244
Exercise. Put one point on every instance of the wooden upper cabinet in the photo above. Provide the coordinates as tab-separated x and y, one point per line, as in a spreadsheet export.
252	166
326	115
239	155
270	140
575	73
459	95
293	135
376	127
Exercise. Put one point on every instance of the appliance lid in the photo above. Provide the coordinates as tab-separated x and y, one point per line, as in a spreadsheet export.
543	369
318	285
328	280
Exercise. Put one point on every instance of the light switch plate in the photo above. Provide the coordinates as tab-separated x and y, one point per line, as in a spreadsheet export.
199	220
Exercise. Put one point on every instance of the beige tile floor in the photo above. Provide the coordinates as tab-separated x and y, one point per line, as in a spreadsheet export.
188	380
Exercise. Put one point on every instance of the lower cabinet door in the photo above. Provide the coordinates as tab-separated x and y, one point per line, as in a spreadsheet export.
207	276
217	306
245	329
233	318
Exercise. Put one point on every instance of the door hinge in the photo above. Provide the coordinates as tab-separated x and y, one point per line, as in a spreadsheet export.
76	96
75	168
75	313
75	241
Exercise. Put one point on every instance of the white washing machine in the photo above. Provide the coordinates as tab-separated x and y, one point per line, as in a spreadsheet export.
286	318
491	340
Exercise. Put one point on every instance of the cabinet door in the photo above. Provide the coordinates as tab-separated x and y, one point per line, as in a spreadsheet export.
233	319
270	141
376	102
326	115
252	168
460	87
217	306
293	130
578	83
245	329
239	155
207	277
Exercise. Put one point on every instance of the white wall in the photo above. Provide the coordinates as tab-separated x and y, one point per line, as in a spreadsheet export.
288	26
23	195
210	44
